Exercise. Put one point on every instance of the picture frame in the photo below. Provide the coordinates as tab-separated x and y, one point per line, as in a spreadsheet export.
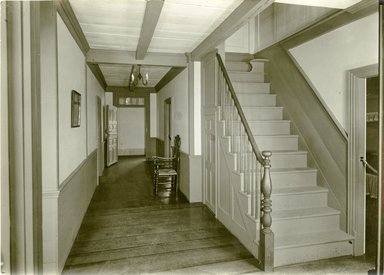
75	109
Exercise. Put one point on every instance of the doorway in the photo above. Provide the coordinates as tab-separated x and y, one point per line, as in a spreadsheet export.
372	163
167	127
362	214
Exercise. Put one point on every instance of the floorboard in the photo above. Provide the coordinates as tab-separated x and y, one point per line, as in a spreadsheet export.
128	230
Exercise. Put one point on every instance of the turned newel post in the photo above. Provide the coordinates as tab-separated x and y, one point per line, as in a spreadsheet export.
266	234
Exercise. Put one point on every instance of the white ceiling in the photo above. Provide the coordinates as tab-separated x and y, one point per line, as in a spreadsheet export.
181	27
118	75
116	25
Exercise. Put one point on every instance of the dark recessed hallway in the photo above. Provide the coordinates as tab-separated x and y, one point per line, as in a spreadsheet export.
128	230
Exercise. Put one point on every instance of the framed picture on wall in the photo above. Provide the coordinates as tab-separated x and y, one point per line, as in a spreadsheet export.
75	111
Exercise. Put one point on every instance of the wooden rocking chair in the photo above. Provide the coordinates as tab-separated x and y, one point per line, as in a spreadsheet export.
166	170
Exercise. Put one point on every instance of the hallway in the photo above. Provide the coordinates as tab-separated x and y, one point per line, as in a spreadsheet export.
128	230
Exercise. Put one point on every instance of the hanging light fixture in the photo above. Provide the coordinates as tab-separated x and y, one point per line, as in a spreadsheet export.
136	77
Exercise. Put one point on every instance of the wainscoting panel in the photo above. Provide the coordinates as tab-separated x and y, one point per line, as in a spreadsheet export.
190	177
73	201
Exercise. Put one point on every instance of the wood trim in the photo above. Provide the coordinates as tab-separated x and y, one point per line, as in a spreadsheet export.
129	57
125	92
66	12
356	149
98	74
151	17
4	178
168	77
137	90
329	23
78	168
25	180
316	92
246	10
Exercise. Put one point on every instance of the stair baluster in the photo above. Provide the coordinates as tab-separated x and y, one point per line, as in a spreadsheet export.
249	163
266	237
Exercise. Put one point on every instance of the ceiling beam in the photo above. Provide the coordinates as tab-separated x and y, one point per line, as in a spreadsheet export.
98	74
66	12
331	22
171	74
151	17
122	89
127	57
241	15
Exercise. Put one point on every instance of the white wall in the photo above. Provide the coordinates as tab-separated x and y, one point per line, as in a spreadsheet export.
109	98
94	90
66	196
153	115
327	59
240	41
131	138
177	89
71	76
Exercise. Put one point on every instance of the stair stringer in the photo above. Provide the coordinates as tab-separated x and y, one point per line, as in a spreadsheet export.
232	204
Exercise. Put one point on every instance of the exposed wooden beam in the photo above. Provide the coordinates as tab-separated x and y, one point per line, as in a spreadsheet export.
98	74
230	25
151	17
122	89
331	22
127	57
171	74
66	12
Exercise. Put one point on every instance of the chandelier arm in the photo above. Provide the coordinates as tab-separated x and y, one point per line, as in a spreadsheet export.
131	84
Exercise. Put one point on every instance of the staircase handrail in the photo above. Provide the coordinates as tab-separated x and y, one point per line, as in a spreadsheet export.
251	138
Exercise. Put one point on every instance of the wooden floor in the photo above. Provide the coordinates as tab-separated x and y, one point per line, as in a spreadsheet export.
127	230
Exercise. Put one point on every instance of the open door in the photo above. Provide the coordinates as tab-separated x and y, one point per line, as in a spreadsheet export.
100	136
167	127
111	135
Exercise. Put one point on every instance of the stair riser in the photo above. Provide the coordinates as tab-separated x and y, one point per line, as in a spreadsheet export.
290	160
302	254
292	179
299	201
244	57
246	77
238	66
277	143
303	225
257	100
265	128
244	87
263	113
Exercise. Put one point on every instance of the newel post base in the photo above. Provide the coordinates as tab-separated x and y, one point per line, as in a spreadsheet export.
267	250
267	245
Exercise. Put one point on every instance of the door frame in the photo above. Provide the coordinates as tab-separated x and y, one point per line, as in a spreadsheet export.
356	148
167	126
100	137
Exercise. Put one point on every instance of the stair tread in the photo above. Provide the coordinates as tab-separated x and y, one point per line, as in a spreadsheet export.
278	135
292	169
242	72
289	152
304	212
296	240
269	121
298	190
263	107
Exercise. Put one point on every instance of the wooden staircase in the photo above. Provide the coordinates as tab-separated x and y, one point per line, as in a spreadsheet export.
304	226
